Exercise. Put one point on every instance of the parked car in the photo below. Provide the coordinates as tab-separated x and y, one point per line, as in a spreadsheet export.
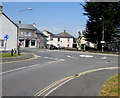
52	47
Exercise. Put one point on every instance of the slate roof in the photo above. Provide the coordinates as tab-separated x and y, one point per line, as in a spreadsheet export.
64	35
30	27
26	26
39	32
53	35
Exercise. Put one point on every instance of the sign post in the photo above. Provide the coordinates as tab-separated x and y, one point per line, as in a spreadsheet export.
6	38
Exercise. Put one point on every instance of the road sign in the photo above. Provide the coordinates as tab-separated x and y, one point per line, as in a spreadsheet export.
6	37
102	42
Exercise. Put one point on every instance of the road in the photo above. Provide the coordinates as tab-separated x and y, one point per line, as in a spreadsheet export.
26	78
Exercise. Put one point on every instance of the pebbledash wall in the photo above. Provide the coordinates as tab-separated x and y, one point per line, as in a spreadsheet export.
7	27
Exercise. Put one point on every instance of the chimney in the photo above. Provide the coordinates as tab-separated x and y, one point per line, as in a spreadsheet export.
1	8
19	22
64	31
34	24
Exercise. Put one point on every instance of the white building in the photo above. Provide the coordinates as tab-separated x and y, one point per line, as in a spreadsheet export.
62	39
7	27
30	36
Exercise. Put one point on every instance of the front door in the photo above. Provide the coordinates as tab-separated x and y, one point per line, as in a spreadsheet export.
27	43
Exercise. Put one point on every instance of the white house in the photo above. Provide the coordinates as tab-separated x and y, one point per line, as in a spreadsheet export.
30	36
7	27
62	39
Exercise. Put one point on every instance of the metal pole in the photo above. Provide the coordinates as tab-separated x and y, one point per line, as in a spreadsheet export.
103	38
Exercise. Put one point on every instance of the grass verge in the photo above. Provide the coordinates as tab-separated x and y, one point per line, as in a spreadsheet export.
5	55
111	87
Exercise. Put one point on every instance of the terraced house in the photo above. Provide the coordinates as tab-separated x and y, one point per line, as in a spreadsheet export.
30	36
62	39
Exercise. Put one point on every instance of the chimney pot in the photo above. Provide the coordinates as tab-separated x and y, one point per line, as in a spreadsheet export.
64	31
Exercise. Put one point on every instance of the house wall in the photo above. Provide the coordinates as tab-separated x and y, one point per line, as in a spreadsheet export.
22	36
42	41
7	27
62	43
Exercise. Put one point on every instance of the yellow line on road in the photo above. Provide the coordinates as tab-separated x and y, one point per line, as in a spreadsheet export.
50	86
72	77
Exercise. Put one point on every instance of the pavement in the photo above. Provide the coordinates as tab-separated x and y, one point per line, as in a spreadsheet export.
23	56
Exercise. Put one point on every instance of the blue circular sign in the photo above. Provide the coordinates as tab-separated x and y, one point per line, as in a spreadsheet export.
6	37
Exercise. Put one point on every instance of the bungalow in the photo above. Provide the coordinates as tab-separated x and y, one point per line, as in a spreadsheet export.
30	36
62	39
8	32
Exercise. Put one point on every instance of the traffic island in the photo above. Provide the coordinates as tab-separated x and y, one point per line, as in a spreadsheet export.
17	57
111	86
6	55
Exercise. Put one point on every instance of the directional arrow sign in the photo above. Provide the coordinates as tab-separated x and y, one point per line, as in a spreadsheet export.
6	37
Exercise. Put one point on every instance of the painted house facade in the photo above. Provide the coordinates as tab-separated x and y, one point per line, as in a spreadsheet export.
9	28
62	39
30	36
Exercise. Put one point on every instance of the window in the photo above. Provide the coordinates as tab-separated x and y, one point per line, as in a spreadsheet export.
21	42
68	39
27	33
1	43
58	39
68	45
51	38
32	42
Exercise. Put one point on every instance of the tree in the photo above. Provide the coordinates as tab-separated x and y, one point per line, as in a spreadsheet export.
101	14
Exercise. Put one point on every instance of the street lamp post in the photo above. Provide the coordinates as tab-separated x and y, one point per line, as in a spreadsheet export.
102	42
19	21
22	11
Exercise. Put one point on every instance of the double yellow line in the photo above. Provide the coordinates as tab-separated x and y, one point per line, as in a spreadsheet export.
51	85
70	77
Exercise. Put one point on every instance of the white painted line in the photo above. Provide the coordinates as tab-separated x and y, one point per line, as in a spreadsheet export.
19	69
86	56
46	57
72	57
57	61
104	58
68	56
56	58
51	58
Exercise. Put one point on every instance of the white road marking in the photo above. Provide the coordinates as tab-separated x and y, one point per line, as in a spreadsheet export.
56	58
86	56
46	57
19	69
104	58
57	61
72	57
